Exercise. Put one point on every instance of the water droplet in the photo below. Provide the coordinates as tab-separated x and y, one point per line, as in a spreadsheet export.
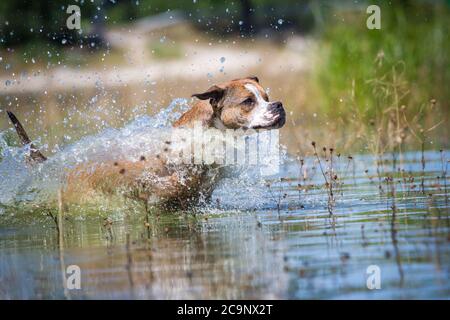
222	59
280	21
63	41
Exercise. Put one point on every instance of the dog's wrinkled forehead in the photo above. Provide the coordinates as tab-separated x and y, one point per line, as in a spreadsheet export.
242	103
237	91
232	92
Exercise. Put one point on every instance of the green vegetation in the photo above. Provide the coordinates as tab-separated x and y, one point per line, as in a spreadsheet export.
388	86
45	21
393	81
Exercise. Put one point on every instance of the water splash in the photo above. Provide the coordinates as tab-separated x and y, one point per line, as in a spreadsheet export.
39	184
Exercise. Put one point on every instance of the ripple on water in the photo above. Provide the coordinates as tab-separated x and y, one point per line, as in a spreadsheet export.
258	238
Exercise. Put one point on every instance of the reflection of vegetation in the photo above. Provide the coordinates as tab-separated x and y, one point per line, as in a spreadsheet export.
387	78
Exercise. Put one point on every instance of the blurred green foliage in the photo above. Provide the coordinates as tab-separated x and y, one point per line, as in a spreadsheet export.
360	74
359	68
25	21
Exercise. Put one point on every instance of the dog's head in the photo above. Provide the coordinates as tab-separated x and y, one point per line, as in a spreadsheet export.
243	103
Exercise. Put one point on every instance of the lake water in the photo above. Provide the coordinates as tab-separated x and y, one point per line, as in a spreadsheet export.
264	240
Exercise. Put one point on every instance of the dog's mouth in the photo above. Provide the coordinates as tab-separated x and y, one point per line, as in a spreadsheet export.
276	121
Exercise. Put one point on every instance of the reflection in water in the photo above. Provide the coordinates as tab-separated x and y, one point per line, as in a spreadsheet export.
289	247
394	240
182	259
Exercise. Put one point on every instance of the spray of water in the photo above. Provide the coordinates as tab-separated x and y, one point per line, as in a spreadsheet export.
38	185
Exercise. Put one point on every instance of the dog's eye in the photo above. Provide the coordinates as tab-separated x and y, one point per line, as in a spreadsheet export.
248	101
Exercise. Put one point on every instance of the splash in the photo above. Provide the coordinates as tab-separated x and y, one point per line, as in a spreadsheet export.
22	183
39	185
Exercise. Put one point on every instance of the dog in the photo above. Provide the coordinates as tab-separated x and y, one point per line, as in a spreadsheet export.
237	104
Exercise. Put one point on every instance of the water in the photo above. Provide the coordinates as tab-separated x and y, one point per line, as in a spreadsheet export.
40	183
258	238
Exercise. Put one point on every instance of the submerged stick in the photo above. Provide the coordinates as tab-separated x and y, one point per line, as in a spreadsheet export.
394	240
422	183
147	218
129	264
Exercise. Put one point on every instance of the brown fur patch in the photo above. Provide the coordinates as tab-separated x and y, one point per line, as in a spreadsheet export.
235	94
150	177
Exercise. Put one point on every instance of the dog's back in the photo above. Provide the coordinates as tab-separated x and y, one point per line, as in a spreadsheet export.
237	104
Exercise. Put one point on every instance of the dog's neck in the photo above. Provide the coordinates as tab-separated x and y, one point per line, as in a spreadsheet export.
201	111
218	124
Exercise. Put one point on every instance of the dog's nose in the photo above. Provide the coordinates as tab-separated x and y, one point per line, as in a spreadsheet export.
276	107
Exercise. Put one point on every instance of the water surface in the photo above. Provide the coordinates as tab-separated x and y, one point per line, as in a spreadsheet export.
265	240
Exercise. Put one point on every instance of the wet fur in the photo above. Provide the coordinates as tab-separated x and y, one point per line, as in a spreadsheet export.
151	179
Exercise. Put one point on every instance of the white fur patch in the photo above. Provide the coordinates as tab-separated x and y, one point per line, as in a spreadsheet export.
260	115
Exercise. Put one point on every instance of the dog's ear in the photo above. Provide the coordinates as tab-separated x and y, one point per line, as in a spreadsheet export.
215	93
254	78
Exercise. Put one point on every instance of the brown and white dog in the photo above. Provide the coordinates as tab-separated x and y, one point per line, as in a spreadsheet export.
237	104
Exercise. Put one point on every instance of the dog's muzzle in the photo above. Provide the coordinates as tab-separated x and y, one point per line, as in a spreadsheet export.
276	109
274	117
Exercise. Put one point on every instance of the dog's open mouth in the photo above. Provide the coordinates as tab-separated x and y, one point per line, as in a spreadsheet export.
276	122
